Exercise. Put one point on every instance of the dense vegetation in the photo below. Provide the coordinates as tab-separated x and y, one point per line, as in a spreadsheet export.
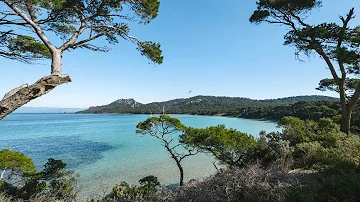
304	107
336	43
200	105
301	144
20	180
307	161
253	169
302	110
228	146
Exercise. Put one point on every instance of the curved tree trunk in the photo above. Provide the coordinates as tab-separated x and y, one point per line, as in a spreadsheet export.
346	117
345	114
345	123
347	109
24	94
178	163
181	173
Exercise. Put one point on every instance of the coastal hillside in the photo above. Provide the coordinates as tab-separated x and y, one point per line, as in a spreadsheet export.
119	106
202	105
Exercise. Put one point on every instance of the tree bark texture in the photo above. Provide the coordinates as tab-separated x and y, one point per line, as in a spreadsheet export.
15	99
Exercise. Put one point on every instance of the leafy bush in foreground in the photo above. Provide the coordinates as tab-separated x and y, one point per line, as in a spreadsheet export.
124	192
308	144
301	144
21	180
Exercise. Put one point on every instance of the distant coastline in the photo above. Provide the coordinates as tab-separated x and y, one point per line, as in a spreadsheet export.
25	110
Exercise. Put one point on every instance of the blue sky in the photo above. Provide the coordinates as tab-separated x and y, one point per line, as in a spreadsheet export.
209	48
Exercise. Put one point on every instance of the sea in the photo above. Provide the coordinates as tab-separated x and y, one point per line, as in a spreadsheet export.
104	149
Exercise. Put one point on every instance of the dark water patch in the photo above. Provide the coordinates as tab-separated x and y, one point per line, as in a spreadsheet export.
71	149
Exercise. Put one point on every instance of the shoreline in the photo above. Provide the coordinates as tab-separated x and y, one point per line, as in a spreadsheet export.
216	115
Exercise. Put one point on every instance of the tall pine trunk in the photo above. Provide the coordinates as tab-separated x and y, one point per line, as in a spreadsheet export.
181	173
345	121
56	62
345	112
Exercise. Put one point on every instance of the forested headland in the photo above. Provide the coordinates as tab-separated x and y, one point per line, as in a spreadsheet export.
304	107
198	105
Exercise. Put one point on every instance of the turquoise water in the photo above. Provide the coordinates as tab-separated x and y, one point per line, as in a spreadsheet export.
105	150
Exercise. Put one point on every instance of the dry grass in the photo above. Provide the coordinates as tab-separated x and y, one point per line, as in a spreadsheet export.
251	184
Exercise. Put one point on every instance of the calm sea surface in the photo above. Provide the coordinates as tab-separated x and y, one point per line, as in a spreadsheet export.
105	150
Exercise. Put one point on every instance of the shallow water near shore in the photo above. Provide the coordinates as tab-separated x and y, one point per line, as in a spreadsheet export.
105	150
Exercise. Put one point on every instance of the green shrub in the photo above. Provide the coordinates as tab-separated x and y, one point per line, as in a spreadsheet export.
229	146
315	144
248	184
124	192
340	183
23	182
301	144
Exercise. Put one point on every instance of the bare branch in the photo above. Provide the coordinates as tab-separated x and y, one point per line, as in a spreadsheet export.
74	45
189	154
175	146
92	47
322	53
76	35
73	39
8	22
341	39
299	19
125	35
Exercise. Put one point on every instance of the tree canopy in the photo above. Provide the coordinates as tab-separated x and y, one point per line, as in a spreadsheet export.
22	48
167	130
53	180
76	23
160	126
229	146
336	43
11	160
